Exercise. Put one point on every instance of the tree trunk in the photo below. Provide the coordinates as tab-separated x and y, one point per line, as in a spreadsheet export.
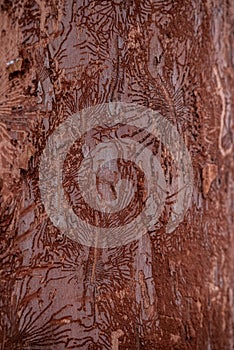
94	95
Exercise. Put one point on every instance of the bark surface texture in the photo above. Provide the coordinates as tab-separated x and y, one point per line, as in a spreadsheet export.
162	291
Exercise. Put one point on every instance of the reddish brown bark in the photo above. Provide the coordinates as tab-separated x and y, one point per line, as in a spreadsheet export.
163	291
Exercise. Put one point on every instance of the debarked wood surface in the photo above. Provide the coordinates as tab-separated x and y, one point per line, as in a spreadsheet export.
161	291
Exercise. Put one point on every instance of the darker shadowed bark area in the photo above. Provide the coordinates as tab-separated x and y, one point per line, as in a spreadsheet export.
162	290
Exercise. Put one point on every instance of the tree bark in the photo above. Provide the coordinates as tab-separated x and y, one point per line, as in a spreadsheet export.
162	290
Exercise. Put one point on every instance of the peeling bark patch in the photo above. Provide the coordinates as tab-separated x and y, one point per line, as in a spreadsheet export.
209	173
225	137
115	339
